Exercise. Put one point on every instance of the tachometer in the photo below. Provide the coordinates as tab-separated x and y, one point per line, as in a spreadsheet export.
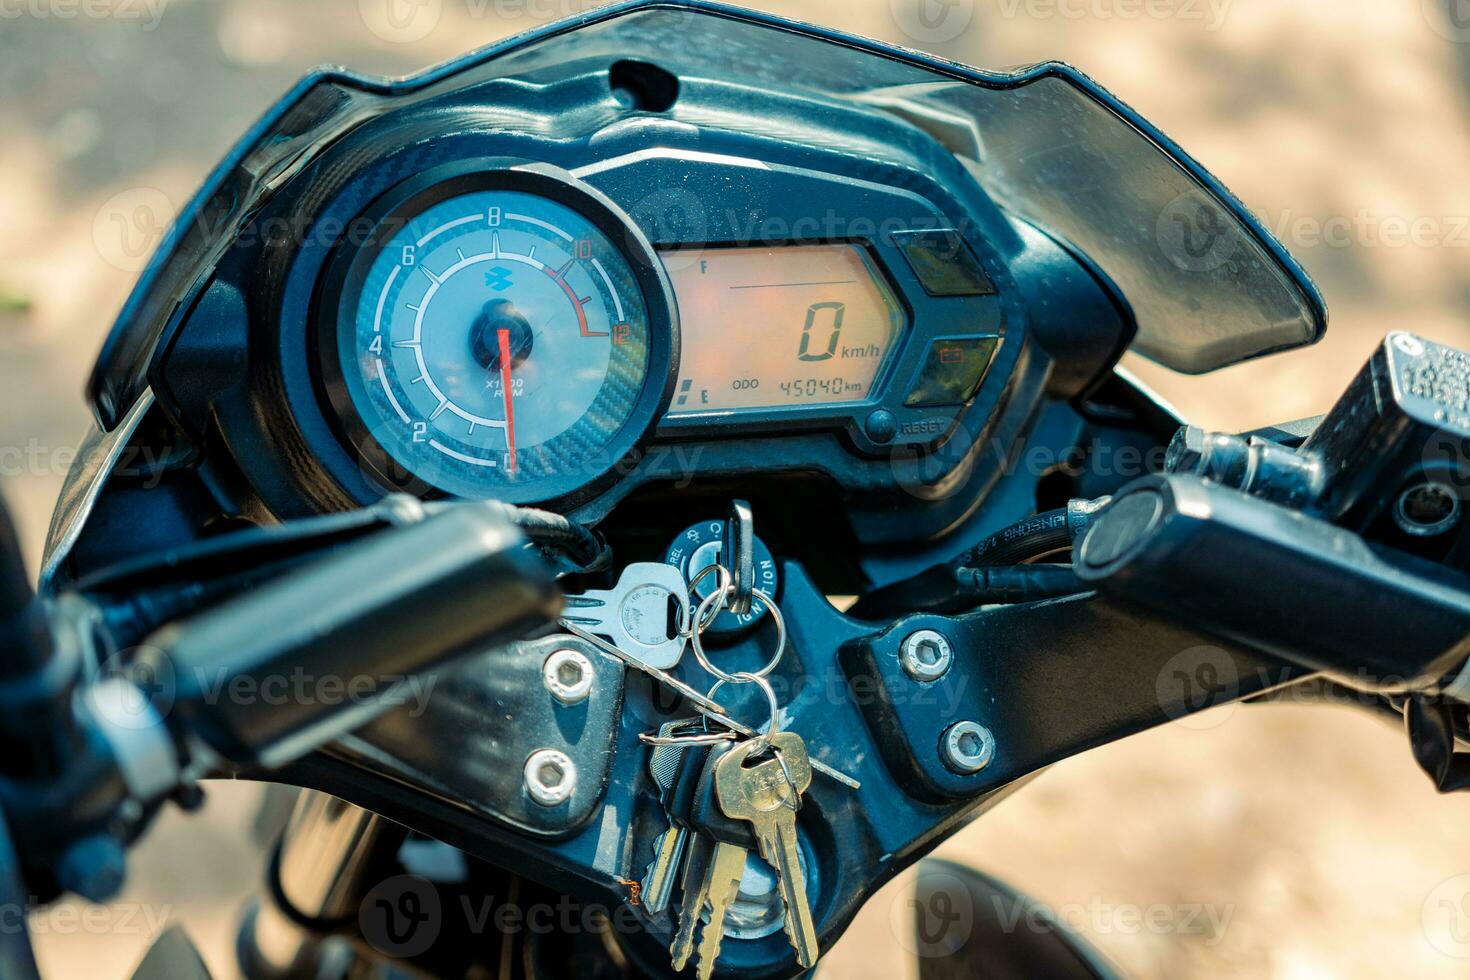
503	333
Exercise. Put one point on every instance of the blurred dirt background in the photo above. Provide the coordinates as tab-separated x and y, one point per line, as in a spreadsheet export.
1303	833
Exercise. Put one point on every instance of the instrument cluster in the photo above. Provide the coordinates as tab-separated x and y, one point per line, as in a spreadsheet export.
565	308
533	332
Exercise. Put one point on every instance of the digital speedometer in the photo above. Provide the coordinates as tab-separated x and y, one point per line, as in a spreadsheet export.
506	333
781	327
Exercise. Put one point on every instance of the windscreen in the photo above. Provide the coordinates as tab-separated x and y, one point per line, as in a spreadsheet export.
1207	284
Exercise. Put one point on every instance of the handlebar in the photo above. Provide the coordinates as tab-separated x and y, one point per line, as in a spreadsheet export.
259	680
1280	581
370	617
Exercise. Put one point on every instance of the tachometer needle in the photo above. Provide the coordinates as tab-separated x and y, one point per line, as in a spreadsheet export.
510	407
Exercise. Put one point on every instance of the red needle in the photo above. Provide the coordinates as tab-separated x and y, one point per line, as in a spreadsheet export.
510	406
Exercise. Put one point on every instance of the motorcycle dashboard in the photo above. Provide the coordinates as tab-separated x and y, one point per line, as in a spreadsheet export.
537	330
673	242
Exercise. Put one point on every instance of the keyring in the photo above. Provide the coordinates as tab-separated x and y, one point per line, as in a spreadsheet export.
688	629
794	804
679	741
774	726
698	645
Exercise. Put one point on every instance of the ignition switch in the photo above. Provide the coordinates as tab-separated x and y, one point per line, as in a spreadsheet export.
699	546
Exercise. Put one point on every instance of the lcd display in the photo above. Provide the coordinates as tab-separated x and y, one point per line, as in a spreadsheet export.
776	327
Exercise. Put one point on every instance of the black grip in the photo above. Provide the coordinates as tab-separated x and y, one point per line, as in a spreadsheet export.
271	675
1280	581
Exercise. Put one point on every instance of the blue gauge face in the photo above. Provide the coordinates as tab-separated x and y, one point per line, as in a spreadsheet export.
496	343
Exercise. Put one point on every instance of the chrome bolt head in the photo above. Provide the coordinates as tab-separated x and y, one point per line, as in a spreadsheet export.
550	777
967	747
568	675
926	655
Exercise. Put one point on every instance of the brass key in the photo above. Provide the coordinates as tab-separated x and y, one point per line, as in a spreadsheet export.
766	793
713	867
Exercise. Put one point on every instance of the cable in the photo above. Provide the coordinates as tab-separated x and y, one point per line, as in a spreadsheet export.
1035	537
995	570
946	589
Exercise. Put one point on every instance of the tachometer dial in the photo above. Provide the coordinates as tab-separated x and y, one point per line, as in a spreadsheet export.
506	334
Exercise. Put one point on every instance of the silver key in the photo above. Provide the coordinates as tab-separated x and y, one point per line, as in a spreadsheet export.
663	763
634	616
767	794
712	873
737	554
658	883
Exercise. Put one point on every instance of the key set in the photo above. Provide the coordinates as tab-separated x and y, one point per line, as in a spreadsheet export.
724	801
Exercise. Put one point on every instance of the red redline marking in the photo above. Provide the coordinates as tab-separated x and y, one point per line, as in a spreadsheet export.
510	406
577	303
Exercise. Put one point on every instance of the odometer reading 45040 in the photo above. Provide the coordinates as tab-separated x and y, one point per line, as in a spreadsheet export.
496	342
770	328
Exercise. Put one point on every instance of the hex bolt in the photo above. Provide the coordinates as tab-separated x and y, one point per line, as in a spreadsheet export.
568	674
550	777
967	747
926	655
